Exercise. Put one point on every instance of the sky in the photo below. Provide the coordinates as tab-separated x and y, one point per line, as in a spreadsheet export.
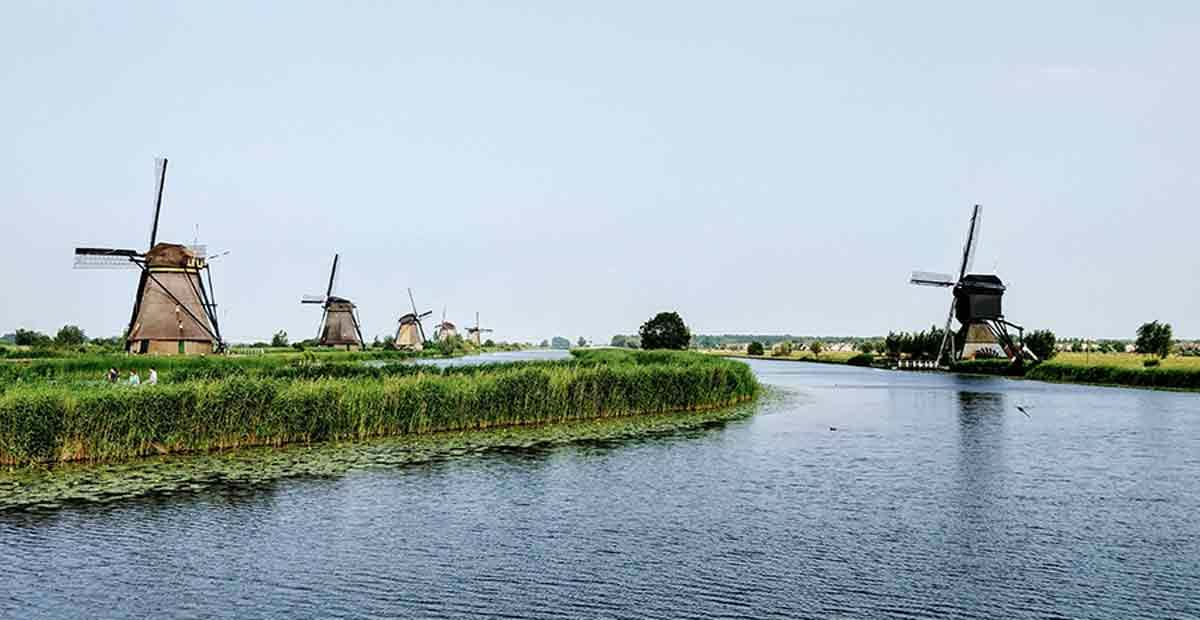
573	168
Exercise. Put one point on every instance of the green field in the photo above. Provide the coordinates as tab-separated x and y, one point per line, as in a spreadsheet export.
53	414
1125	360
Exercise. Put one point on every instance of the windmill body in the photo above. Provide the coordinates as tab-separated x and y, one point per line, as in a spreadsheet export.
339	321
444	330
977	304
174	311
473	333
410	333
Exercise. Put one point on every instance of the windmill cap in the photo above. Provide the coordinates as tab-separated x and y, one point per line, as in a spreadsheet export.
982	281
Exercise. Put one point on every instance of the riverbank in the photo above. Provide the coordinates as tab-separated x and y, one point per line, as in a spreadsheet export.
1113	370
243	404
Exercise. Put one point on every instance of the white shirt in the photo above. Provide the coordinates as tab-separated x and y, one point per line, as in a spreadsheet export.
153	380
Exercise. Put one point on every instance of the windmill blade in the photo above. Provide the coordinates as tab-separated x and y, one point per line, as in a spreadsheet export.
160	180
199	249
218	255
424	315
968	261
332	277
929	278
414	304
105	258
312	299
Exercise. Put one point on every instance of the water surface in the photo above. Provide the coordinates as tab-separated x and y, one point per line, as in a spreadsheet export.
934	497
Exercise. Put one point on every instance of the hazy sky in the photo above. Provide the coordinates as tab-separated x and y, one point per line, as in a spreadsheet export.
572	168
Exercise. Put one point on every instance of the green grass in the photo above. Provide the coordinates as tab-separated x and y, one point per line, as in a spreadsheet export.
1124	360
46	421
1171	376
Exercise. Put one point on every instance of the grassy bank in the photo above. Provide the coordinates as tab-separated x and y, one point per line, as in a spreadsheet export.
1122	369
46	421
832	357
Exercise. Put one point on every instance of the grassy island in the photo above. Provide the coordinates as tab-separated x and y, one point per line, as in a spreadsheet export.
57	411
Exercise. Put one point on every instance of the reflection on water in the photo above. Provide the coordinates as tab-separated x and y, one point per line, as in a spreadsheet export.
934	497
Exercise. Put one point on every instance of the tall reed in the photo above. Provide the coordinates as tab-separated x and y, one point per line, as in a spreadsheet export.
40	423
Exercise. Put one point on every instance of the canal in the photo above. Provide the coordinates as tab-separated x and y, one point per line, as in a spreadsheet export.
850	492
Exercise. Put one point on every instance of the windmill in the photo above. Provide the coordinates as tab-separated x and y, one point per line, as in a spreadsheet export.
174	310
339	321
976	305
474	332
411	333
444	330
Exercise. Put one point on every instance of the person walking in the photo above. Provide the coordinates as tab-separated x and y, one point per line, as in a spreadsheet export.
113	375
134	379
153	380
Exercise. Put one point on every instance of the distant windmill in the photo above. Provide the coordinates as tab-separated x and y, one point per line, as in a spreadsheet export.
411	333
474	332
444	330
339	321
976	305
174	312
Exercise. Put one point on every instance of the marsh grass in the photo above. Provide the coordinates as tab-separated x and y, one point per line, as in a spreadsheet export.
46	421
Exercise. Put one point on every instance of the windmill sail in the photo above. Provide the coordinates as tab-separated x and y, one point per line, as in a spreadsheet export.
929	278
332	277
160	180
106	258
968	262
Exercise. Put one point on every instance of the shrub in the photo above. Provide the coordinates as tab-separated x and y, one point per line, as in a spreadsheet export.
1150	363
1041	343
755	348
1002	367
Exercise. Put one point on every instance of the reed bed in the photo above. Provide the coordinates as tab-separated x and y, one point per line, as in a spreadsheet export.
51	422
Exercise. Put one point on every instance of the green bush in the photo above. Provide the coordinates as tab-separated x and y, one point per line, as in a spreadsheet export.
755	348
989	366
1041	343
1150	363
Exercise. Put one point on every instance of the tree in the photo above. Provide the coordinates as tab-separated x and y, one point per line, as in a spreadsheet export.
618	341
665	331
582	342
816	347
558	342
782	349
70	336
755	348
280	339
545	344
1041	343
489	343
893	344
31	338
1154	338
867	347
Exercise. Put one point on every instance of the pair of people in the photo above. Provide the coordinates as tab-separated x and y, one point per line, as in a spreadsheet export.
134	378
